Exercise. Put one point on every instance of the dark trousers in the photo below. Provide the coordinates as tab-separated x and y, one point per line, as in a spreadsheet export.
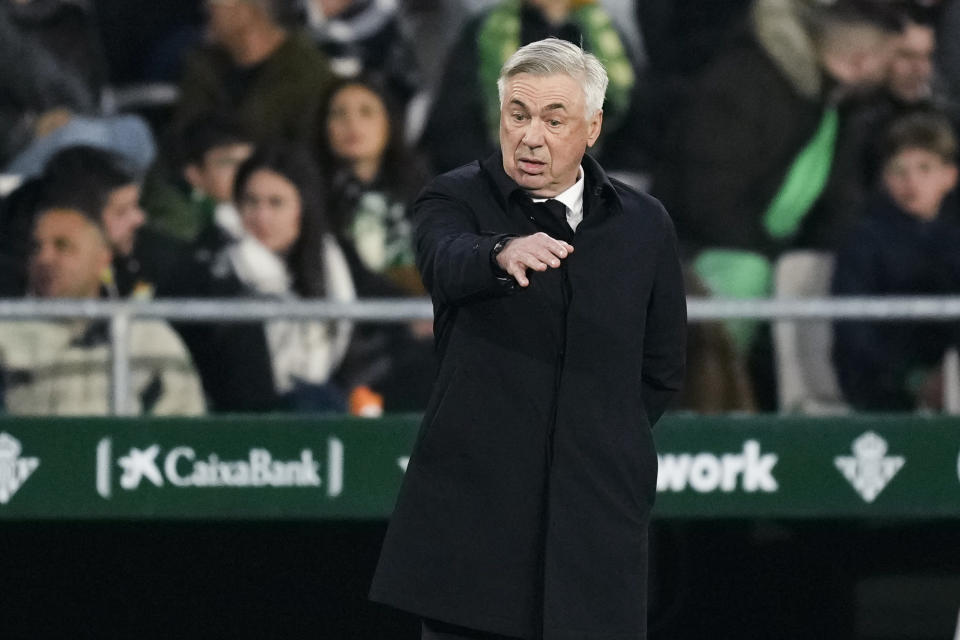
435	630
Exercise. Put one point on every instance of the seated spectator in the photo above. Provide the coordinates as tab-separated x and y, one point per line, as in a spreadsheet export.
62	367
364	36
751	152
91	179
465	116
273	82
905	245
52	73
373	180
198	201
908	85
286	252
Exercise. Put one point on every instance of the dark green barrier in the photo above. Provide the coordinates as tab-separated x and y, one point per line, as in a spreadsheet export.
309	468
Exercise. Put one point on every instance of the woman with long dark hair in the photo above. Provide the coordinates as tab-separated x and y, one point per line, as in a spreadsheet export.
279	195
373	178
286	252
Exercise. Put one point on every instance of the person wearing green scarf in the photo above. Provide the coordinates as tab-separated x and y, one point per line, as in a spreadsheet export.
752	149
465	114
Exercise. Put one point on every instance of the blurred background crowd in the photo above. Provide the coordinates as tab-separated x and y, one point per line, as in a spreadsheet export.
272	149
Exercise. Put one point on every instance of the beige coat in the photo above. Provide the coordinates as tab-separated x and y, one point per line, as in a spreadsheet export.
63	368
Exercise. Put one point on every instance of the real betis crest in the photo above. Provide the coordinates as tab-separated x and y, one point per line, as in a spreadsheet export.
14	470
870	469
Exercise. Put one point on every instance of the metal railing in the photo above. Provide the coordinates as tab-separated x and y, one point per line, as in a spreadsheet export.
121	314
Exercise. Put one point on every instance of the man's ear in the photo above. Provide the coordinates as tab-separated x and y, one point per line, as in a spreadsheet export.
593	127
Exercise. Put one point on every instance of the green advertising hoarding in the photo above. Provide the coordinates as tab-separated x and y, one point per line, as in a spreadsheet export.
346	468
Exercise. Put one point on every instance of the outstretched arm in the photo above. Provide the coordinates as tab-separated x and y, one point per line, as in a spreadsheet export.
458	261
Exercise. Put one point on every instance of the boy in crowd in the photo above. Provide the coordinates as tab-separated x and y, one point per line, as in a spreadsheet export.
62	367
906	244
192	199
215	148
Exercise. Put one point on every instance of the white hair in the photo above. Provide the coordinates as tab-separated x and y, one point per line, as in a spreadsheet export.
554	56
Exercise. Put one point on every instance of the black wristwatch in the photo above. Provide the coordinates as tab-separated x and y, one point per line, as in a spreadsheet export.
497	248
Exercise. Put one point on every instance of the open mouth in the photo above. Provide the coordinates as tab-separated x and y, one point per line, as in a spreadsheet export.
530	165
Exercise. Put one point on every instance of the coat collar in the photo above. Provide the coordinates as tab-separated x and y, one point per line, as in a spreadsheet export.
598	184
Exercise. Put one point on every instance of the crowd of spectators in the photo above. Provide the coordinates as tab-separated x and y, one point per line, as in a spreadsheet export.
302	131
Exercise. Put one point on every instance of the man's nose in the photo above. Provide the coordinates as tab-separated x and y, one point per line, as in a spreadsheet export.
533	134
43	253
43	259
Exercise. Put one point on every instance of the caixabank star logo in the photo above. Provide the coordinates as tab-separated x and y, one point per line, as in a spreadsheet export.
14	468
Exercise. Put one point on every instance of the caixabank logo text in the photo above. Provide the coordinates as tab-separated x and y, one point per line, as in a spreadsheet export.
184	467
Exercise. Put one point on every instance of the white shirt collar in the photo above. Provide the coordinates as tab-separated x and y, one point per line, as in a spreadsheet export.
572	198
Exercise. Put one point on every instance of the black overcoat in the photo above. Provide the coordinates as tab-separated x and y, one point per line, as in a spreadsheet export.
525	504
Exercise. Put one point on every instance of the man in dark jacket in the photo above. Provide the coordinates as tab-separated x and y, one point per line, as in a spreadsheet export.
270	80
751	151
560	325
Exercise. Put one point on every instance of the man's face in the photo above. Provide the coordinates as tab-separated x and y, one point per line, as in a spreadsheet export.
544	132
69	256
911	67
214	176
122	217
226	19
918	180
862	61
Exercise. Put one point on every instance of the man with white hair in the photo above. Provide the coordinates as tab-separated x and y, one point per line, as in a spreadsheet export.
560	328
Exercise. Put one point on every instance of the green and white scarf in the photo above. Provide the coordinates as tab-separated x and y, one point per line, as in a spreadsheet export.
499	38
